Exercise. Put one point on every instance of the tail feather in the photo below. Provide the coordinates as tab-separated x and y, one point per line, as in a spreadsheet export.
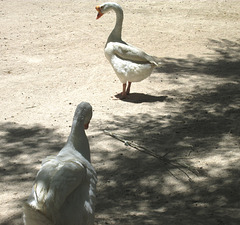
32	216
156	61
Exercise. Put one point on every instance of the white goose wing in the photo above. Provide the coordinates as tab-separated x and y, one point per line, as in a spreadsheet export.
55	181
131	53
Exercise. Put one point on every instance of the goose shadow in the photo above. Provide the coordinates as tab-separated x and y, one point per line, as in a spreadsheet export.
140	98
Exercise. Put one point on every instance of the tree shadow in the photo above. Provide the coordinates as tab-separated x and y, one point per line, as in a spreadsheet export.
223	62
22	150
201	130
139	188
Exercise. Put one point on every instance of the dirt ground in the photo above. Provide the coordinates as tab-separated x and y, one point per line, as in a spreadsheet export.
187	111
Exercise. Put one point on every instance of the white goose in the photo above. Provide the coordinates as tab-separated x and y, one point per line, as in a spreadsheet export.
129	63
64	189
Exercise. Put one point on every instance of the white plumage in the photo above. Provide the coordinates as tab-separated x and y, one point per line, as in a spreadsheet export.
129	63
64	189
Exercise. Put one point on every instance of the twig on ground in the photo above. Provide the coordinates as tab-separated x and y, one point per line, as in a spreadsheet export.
165	160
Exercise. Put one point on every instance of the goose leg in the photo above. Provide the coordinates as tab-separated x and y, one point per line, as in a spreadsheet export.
128	88
124	94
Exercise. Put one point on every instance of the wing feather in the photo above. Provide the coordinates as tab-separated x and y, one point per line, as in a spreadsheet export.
56	181
128	52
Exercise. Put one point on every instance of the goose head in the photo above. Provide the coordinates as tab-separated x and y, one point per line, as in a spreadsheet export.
106	7
83	114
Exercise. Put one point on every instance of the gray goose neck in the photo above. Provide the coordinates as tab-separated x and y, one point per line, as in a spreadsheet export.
78	139
116	34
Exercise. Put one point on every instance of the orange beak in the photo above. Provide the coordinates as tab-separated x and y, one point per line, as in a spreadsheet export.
98	8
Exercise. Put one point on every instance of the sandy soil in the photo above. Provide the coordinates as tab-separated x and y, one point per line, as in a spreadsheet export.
188	110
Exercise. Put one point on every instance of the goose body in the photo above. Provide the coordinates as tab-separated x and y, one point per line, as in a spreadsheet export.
127	69
64	189
129	63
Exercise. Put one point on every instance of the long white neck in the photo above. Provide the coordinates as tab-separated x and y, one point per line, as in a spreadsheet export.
78	140
116	34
